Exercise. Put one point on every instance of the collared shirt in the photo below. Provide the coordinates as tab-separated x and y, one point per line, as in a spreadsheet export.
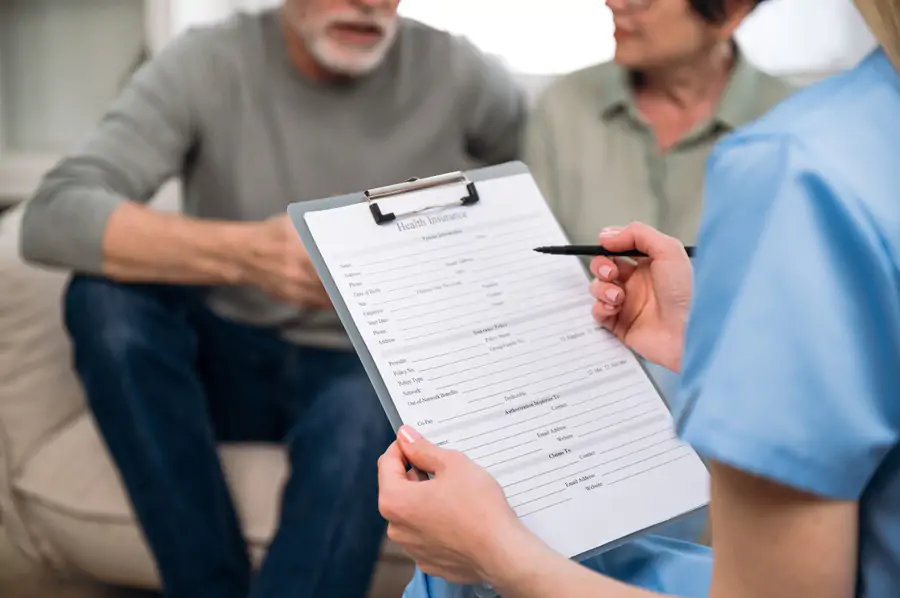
598	163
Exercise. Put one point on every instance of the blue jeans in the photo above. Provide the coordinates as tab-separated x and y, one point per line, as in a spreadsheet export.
167	380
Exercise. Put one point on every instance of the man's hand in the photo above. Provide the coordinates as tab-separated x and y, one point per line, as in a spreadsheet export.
457	525
277	263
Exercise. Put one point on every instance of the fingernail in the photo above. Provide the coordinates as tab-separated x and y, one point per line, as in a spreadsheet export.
612	294
410	434
605	271
610	231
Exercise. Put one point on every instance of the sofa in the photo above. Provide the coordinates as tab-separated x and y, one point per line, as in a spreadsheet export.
62	503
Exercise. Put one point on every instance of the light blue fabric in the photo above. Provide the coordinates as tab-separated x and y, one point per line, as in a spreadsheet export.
792	361
653	562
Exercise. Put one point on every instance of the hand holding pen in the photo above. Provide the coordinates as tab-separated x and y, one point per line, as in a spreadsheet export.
644	302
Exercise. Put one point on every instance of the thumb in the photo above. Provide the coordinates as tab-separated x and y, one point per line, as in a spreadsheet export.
419	452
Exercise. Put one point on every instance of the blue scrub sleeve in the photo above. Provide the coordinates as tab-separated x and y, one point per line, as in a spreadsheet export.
793	345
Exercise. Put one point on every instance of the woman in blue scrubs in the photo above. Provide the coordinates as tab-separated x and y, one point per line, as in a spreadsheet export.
790	373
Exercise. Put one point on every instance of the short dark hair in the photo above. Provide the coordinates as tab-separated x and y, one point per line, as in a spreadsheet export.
715	11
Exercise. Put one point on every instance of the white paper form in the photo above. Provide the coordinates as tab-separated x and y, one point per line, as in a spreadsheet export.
490	348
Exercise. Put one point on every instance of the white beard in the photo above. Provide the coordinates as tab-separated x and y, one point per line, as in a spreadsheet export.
342	60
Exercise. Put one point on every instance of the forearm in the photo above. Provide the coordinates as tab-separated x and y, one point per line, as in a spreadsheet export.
143	245
529	569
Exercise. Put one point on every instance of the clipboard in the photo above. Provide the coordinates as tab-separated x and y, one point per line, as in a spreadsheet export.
298	210
468	182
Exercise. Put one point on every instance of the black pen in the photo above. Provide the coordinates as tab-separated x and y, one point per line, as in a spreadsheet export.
592	250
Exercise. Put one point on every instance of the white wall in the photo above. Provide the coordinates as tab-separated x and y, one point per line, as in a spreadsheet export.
542	40
794	36
186	13
48	49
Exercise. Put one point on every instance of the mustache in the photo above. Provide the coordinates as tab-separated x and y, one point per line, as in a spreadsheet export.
382	23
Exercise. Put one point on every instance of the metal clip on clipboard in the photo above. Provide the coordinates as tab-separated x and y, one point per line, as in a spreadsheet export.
417	184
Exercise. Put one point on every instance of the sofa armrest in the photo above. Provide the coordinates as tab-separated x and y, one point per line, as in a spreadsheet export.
39	392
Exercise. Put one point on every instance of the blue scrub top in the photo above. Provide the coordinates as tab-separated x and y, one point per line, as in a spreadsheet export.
792	357
792	361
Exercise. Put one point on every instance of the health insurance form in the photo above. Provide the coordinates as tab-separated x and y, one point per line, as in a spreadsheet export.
490	348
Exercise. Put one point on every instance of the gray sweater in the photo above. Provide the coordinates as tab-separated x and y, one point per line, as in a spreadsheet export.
223	109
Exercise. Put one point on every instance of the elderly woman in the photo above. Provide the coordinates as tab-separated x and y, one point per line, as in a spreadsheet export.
790	371
628	140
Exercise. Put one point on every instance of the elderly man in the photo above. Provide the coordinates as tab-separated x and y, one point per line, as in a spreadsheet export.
212	326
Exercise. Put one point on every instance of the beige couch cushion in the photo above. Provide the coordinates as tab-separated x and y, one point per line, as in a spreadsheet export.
39	393
72	493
